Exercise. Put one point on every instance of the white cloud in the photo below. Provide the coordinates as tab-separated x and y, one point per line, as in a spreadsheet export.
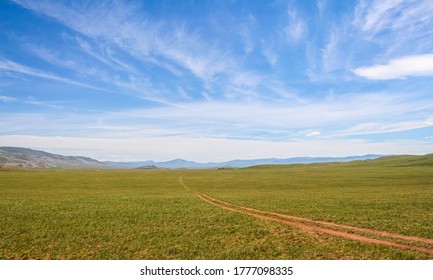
415	65
313	133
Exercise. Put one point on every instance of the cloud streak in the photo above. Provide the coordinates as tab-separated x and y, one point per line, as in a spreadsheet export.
7	99
120	24
7	66
296	26
340	117
154	44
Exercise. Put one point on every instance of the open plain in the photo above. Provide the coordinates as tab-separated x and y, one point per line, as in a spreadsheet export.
375	209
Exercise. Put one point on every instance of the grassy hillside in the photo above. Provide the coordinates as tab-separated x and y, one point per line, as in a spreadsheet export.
386	161
406	160
54	214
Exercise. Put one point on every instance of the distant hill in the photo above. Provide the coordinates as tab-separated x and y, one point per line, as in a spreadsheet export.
175	163
28	158
149	167
405	160
180	163
385	161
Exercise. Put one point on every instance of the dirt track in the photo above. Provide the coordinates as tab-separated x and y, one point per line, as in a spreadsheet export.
376	237
183	184
352	228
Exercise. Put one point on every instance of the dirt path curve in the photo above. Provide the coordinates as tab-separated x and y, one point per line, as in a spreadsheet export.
318	228
352	228
316	225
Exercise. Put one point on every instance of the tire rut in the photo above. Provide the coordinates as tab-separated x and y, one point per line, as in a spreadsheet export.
318	226
359	229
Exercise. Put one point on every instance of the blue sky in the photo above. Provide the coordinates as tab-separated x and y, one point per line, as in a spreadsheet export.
217	80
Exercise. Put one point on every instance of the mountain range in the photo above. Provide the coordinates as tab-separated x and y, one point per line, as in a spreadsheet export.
28	158
180	163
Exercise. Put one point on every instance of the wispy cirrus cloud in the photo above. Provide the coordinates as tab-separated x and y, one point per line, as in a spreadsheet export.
374	32
120	24
321	7
386	127
133	86
399	27
92	68
182	51
373	16
296	27
246	31
331	57
52	56
348	116
7	66
104	55
270	52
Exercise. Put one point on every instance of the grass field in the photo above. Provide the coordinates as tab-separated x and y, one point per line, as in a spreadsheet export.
136	214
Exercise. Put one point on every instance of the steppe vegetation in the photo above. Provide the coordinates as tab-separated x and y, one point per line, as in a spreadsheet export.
161	214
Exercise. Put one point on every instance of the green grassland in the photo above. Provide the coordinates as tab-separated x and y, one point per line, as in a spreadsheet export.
140	214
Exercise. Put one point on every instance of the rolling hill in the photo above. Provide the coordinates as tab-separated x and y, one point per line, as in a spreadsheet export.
28	158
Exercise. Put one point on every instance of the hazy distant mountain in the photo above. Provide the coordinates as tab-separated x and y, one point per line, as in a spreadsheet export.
296	160
180	163
129	164
28	158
